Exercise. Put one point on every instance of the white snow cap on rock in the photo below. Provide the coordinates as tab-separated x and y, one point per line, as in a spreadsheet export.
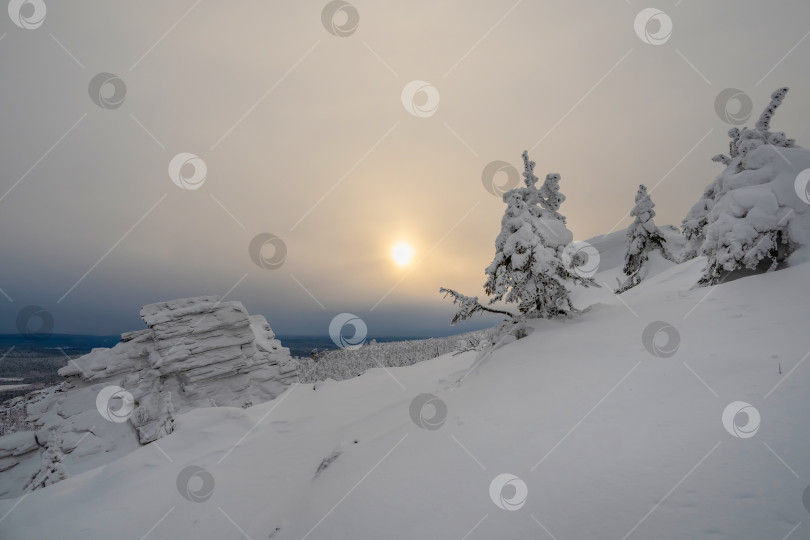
196	352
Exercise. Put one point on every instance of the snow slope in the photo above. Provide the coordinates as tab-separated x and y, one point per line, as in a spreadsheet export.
610	440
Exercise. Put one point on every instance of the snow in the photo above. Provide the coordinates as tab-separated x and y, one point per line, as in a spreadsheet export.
612	248
196	352
752	217
643	237
352	361
528	268
756	197
6	387
610	441
52	470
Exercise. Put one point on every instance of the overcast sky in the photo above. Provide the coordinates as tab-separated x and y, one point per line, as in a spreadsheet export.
305	135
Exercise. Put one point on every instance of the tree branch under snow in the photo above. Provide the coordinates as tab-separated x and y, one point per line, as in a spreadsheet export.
468	306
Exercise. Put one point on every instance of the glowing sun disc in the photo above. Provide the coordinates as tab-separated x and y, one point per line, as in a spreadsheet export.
402	253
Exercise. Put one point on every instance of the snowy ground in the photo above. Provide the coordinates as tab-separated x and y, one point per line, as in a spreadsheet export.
610	440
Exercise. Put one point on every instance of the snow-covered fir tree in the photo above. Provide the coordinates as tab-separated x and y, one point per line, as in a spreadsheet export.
734	226
743	141
52	469
528	269
642	238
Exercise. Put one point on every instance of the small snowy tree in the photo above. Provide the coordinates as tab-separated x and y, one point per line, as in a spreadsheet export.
528	268
52	469
642	237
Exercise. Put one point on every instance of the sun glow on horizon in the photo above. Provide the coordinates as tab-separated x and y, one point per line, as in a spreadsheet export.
402	253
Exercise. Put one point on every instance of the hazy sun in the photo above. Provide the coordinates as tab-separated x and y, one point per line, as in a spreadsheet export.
402	253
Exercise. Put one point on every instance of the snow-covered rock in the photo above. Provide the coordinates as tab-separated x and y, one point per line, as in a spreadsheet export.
196	352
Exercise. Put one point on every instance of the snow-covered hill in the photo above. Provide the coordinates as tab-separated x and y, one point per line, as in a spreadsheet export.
615	430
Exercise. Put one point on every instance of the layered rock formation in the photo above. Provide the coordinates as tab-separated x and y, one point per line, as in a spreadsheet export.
196	352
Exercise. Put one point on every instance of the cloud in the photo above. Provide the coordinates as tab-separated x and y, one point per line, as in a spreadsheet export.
304	136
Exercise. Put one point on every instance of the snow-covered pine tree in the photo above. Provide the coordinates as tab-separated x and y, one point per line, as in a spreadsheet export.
527	268
52	469
743	141
642	237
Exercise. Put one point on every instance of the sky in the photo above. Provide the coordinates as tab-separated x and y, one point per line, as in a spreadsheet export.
309	133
